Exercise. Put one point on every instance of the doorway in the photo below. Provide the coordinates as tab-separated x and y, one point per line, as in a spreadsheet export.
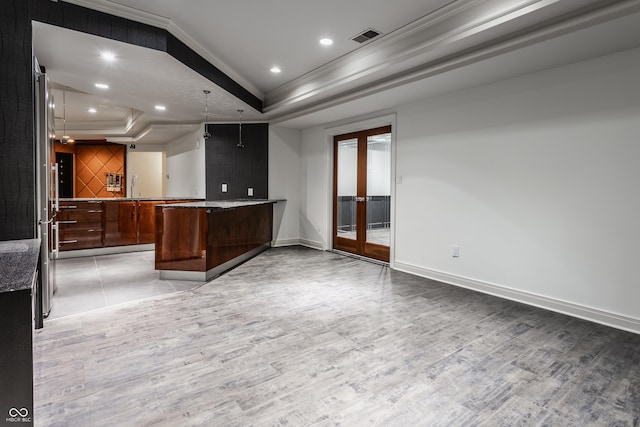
66	176
362	193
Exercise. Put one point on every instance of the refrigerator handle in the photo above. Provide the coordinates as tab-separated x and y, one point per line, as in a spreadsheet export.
56	199
56	240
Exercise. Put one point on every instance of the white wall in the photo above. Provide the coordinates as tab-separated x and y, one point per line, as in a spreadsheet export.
147	167
284	183
534	178
316	188
185	174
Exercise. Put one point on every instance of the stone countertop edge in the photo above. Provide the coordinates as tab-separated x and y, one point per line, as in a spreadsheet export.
18	263
128	199
221	204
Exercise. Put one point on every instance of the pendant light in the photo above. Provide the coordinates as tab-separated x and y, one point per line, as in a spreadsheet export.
240	143
65	138
206	134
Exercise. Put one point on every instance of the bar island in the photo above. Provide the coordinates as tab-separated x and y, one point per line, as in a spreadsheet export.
201	240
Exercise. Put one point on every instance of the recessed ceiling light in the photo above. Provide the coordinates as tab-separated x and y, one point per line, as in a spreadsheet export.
107	56
160	107
326	42
275	70
102	86
92	110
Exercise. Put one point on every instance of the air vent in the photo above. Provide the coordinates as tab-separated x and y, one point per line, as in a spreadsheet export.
366	35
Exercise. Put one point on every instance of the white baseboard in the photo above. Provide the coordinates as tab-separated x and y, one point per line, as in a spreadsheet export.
302	242
311	244
571	309
285	242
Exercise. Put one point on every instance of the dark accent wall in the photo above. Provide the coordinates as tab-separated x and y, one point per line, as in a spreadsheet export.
17	154
239	168
17	150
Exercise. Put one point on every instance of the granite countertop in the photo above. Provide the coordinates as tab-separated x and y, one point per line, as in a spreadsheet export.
128	199
18	263
222	204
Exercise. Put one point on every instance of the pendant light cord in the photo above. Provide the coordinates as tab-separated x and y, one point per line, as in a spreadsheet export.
206	134
240	143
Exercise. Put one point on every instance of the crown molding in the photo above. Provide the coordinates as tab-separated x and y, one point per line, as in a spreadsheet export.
132	14
455	35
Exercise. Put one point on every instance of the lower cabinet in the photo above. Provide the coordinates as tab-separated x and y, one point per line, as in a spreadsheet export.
107	223
80	225
121	223
147	222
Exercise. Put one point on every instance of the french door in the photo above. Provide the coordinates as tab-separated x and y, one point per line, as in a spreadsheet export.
362	193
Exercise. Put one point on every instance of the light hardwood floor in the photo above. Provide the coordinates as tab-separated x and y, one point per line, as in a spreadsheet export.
298	337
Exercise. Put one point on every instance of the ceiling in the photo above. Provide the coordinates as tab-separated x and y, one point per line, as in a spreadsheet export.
138	80
427	48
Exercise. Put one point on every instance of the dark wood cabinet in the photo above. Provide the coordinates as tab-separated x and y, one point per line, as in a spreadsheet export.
107	223
80	225
204	239
121	223
147	222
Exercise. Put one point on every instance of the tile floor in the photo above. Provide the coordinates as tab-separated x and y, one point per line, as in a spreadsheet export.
91	283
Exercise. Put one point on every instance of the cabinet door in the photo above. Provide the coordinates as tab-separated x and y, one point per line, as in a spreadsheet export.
147	222
121	223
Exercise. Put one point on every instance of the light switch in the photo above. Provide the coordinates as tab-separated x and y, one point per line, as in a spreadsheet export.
250	192
224	188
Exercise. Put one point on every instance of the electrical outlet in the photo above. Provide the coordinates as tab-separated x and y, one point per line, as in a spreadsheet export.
455	251
224	188
250	191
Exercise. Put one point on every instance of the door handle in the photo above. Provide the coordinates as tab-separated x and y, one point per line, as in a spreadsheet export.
362	199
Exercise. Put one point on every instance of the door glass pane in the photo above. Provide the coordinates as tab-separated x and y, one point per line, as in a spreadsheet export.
347	188
379	189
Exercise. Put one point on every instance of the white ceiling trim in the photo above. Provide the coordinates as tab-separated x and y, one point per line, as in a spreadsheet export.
452	36
164	23
122	126
548	34
175	130
163	127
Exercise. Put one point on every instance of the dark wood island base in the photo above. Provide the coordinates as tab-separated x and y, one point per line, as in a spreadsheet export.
201	240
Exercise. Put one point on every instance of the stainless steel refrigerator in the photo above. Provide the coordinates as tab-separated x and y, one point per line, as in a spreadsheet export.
47	186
